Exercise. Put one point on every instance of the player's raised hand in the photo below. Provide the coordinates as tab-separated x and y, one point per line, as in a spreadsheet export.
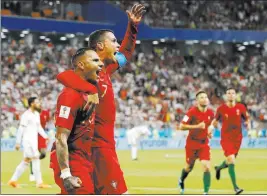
71	183
136	13
17	147
201	125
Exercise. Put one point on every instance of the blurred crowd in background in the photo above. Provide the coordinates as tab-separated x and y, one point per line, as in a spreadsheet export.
160	82
225	15
158	85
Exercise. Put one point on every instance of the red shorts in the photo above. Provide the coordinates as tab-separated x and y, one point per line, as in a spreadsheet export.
41	142
108	176
77	169
231	147
202	153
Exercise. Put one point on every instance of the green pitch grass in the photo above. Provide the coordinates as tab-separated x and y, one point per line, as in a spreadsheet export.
156	172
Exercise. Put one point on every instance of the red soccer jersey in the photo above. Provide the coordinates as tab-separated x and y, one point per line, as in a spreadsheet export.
70	115
105	110
197	137
231	119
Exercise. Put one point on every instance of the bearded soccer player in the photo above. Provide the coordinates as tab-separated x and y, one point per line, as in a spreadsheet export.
230	115
71	154
197	121
108	175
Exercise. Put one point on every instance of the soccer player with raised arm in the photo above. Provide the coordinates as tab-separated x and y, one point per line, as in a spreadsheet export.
197	120
230	114
70	157
28	131
108	175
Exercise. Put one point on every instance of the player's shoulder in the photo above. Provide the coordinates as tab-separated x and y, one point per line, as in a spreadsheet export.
70	94
25	113
192	109
210	111
241	106
221	107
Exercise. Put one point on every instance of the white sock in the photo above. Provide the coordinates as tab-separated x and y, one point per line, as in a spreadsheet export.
134	152
37	171
19	170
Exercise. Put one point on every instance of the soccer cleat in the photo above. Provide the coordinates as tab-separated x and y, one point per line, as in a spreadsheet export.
218	172
13	184
32	178
205	193
43	186
181	185
238	191
135	159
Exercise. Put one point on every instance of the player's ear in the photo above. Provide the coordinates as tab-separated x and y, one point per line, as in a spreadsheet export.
100	46
80	65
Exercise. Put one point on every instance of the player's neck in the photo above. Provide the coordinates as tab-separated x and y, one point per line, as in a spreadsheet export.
32	109
231	104
202	109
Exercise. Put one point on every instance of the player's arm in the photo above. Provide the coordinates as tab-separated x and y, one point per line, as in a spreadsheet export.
67	107
42	132
128	44
19	136
70	79
22	127
62	152
186	123
246	117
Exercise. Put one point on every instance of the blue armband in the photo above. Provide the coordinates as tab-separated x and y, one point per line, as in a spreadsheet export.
121	59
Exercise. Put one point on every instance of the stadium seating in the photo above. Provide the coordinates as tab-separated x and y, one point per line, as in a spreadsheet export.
159	84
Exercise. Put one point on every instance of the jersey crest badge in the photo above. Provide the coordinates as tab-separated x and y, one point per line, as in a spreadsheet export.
114	184
237	112
64	112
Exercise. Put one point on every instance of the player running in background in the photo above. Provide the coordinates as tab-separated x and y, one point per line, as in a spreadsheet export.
108	175
71	158
197	121
230	115
42	142
134	135
28	131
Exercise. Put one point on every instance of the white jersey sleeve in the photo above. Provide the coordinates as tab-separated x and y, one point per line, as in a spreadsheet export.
22	126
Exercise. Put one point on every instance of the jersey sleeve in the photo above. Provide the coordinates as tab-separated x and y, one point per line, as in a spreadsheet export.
218	114
24	120
70	79
244	112
188	117
67	107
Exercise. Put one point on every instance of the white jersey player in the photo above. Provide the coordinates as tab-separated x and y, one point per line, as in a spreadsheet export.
134	135
29	128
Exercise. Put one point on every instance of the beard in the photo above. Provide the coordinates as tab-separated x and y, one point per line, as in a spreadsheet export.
38	109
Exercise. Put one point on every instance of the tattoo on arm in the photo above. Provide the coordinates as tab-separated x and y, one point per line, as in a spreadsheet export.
62	147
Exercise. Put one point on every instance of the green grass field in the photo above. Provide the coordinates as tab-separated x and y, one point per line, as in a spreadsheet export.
156	173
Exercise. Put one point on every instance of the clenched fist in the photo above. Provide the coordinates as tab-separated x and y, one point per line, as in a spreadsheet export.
201	125
71	183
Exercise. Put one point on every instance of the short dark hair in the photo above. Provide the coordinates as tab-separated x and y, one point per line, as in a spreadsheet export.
200	92
31	100
77	54
230	88
96	37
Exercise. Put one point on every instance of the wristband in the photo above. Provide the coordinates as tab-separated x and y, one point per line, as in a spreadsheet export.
65	173
121	59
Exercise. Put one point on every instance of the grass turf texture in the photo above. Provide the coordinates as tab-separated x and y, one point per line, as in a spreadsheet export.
157	172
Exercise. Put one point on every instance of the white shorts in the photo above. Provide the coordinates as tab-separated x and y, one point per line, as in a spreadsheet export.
132	138
30	151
